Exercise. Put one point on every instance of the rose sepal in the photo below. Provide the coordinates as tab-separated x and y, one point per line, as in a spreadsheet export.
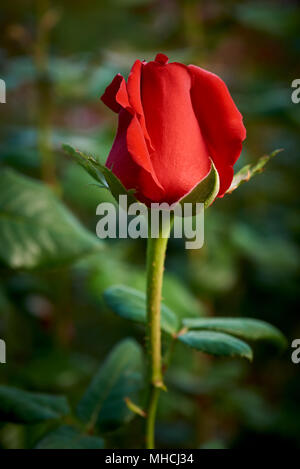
250	170
105	178
205	191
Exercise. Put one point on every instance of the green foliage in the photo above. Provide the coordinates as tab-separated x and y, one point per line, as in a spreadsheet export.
36	230
66	437
217	343
25	407
178	297
176	294
272	253
246	328
103	405
282	22
131	304
216	338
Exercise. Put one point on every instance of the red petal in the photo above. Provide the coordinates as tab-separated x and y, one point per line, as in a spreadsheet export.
129	161
115	96
181	158
137	148
134	94
162	59
219	120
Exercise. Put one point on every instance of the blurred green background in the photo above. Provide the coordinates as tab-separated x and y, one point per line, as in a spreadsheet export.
57	57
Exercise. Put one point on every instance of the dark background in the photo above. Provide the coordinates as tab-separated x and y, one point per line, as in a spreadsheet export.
57	58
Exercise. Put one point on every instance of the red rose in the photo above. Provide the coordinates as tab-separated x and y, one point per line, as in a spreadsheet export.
172	119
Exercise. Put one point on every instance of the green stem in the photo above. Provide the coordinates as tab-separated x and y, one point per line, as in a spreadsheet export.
151	415
156	251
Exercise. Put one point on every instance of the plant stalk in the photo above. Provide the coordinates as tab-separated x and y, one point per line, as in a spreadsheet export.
156	251
44	95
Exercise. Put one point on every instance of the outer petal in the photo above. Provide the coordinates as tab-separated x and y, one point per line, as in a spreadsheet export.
138	149
134	94
130	170
129	157
115	96
134	87
181	158
220	121
119	160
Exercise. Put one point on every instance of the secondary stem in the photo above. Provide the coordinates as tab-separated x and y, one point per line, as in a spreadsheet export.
156	251
44	95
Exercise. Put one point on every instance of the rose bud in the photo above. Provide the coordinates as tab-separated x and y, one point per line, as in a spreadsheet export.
173	120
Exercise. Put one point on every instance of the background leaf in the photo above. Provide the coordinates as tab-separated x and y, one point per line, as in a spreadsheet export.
131	304
103	405
36	230
217	343
21	406
247	328
66	437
